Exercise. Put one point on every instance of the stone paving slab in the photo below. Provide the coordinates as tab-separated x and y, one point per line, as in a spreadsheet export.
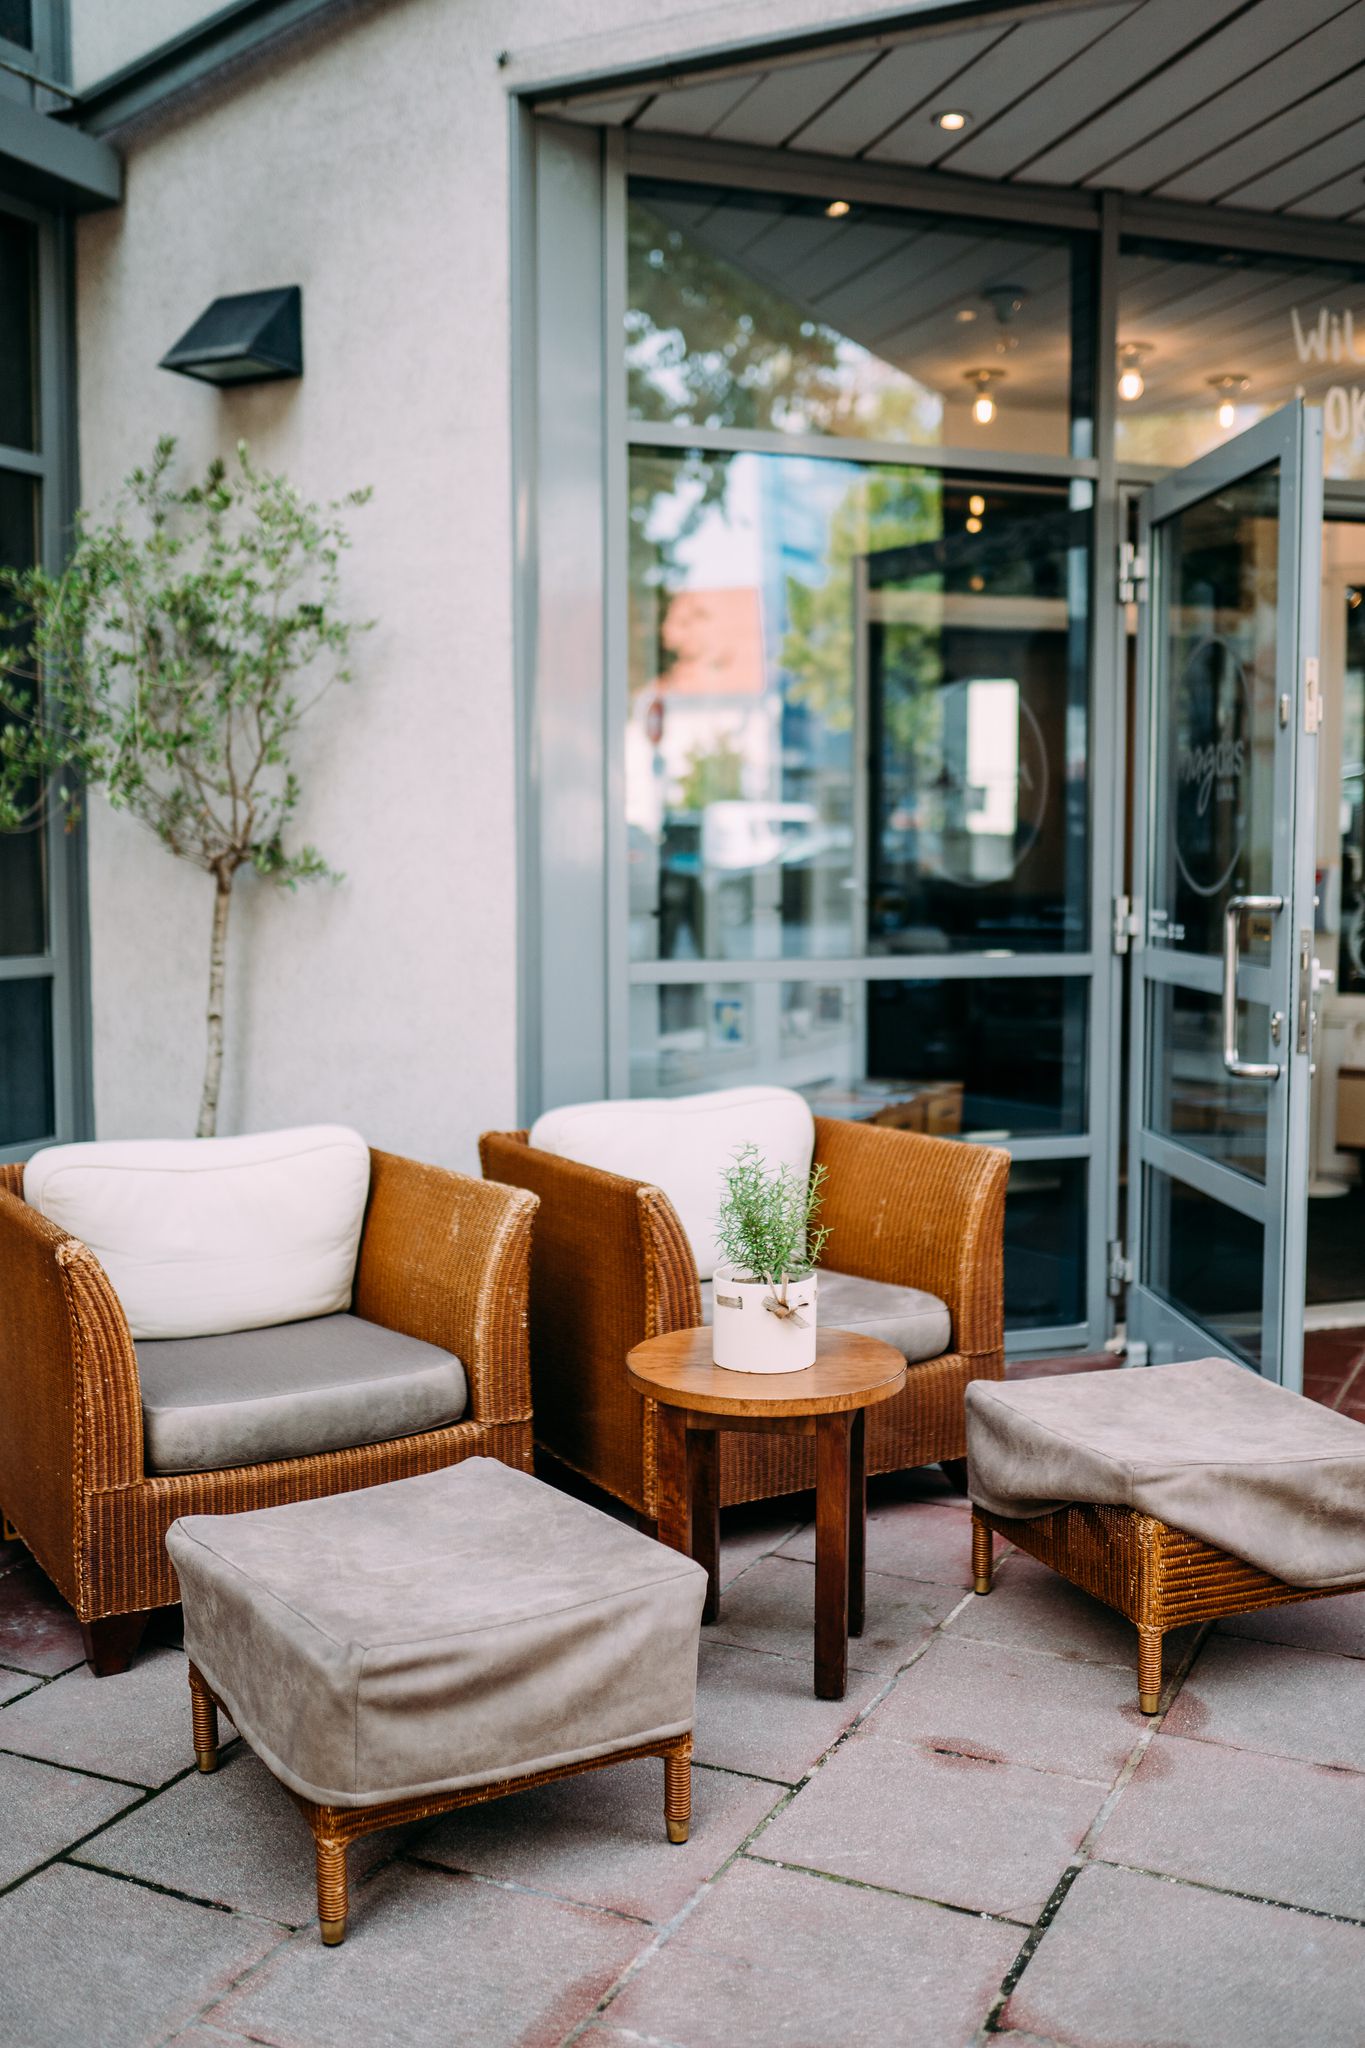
233	1837
600	1839
759	1714
91	1962
752	1531
12	1683
1132	1959
1336	1625
1244	1822
38	1631
1255	1695
773	1958
911	1820
1015	1706
44	1809
1032	1607
772	1607
438	1961
135	1726
932	1540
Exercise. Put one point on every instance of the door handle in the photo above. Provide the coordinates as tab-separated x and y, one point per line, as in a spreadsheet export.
1245	1070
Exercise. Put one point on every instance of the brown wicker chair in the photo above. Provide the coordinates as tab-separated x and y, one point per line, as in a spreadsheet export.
611	1266
442	1257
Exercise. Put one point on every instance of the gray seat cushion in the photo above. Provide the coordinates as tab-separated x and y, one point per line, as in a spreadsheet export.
1208	1448
439	1632
918	1324
291	1391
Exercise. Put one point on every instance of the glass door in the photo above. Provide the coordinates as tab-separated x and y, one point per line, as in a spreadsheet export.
1222	982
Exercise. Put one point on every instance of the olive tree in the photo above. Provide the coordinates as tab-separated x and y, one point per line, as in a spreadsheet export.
170	664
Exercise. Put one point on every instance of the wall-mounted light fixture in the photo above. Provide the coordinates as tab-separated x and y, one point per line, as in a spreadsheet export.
249	339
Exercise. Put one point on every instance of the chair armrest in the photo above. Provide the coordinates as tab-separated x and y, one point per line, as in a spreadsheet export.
445	1258
919	1212
70	1403
610	1266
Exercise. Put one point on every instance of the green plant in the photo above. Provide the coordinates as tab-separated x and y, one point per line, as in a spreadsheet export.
165	664
766	1223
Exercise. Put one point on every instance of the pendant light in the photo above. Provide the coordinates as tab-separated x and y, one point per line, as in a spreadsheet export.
983	406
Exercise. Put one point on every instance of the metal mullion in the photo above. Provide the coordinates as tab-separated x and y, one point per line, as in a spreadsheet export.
1203	975
616	596
1027	1150
851	448
1207	1177
1048	1342
873	967
28	967
27	461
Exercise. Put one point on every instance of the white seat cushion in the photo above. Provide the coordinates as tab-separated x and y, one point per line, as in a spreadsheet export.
916	1322
683	1145
200	1236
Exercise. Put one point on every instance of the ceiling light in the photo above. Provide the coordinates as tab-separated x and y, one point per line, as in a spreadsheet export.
983	408
1229	387
1131	383
952	121
836	209
973	526
976	504
977	583
965	313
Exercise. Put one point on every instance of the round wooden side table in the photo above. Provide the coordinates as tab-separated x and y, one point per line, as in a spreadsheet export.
697	1400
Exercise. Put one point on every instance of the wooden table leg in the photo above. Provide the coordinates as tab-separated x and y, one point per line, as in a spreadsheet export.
670	1457
857	1522
832	1486
703	1492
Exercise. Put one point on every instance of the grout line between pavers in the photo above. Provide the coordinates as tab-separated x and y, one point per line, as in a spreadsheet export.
890	1891
1227	1891
457	1872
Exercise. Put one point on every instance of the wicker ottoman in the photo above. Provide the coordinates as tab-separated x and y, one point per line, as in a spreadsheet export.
436	1642
1175	1493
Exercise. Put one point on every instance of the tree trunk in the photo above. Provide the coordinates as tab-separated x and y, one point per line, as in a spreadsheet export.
213	1058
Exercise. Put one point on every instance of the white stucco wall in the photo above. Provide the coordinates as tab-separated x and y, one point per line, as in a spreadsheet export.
370	166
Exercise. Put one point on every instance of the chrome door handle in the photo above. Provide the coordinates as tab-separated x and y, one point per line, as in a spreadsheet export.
1245	1070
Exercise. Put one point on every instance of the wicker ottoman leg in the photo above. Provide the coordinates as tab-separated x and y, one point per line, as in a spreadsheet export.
983	1548
1149	1668
332	1901
204	1716
678	1791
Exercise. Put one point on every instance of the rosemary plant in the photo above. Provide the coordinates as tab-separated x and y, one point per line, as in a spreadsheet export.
766	1224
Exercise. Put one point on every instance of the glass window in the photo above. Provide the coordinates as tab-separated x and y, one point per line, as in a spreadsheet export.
1206	1260
23	854
16	22
1212	340
749	309
1351	961
1045	1216
1191	1097
27	1100
18	316
858	710
984	1059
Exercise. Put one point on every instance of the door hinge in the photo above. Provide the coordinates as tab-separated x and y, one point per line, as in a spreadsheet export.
1132	572
1120	1268
1127	927
1312	695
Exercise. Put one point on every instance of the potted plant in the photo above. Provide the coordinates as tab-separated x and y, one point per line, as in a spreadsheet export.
765	1285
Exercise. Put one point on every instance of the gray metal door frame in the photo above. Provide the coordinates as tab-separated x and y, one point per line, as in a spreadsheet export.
1291	439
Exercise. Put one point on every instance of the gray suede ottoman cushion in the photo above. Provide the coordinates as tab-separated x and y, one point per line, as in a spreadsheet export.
293	1390
1208	1448
916	1323
437	1632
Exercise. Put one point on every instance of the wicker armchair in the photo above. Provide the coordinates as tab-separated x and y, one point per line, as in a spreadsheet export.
442	1257
611	1266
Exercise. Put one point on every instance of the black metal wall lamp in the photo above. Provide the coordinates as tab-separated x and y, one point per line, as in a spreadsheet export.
249	339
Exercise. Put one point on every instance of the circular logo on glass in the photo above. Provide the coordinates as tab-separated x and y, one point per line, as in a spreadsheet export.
986	782
1213	741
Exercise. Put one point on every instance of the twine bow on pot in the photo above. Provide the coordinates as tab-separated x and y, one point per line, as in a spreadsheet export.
787	1310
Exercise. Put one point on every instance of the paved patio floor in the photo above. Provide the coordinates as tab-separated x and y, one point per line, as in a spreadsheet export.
984	1839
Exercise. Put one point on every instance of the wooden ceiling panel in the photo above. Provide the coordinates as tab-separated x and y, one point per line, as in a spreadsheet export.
1011	68
903	79
1270	98
1340	155
1337	201
787	99
1128	52
695	109
1249	40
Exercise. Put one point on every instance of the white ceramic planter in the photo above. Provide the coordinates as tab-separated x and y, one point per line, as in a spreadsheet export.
747	1337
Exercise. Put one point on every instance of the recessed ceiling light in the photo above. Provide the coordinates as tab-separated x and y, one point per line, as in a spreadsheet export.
952	120
836	209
